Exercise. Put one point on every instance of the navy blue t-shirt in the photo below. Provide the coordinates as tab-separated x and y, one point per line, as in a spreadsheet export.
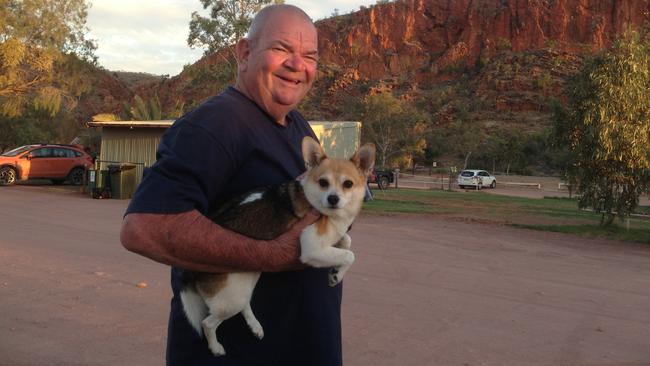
225	147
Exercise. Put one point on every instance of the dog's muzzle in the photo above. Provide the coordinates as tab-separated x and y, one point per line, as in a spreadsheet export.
333	200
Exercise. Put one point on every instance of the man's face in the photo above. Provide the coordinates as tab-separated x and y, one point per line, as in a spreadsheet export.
280	66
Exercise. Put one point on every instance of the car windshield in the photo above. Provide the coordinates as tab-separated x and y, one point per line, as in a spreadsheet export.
17	150
466	174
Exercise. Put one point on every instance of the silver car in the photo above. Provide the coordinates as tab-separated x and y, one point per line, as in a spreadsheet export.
476	179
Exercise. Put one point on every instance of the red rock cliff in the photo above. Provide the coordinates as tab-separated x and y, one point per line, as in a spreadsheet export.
422	37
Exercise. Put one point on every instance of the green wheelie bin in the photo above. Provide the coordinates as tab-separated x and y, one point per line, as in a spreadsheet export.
122	178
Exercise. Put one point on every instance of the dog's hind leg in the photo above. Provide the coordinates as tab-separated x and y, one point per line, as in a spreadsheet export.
234	297
220	310
252	322
210	325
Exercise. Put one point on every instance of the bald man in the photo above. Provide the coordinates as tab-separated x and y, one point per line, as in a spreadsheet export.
246	137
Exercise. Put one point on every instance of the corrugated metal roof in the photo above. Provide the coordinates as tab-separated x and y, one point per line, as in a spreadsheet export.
132	124
336	123
168	122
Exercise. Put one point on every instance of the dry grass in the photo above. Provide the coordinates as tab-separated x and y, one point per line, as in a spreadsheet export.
548	214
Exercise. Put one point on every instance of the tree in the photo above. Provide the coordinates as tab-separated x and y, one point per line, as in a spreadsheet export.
461	138
142	111
151	111
15	132
35	35
506	146
607	124
228	22
393	126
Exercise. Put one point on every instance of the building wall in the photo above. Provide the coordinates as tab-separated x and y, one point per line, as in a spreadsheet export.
125	145
339	139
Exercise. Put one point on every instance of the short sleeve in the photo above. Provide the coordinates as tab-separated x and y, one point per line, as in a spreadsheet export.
192	168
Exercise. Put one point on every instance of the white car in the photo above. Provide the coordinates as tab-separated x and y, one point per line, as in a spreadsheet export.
476	179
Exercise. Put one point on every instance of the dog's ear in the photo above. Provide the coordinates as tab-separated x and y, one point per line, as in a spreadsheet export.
364	158
312	152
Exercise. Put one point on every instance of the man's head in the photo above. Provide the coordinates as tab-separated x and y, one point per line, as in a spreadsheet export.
277	60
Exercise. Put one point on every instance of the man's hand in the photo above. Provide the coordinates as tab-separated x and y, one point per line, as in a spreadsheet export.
288	244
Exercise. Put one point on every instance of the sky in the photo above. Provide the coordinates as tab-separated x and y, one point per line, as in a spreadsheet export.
151	35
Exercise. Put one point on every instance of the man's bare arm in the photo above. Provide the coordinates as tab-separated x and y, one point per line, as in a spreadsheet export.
191	241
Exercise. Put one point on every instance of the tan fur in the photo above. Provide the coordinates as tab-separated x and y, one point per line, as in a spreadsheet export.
300	204
211	284
322	225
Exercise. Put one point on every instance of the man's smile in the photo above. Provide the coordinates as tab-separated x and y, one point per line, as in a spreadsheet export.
289	79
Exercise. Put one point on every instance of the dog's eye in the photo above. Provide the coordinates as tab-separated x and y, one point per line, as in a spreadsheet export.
348	184
323	183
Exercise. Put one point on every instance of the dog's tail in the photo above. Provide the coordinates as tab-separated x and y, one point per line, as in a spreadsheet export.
194	307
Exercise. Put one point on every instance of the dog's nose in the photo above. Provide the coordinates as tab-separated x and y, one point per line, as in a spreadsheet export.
333	199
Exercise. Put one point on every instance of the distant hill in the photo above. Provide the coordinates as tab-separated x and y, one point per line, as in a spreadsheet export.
107	94
136	79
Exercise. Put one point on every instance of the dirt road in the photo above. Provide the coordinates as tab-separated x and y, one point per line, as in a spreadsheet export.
424	291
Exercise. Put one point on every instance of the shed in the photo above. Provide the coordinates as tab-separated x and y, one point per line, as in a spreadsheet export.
339	139
136	141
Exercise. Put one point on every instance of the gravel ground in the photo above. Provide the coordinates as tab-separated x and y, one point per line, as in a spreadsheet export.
424	291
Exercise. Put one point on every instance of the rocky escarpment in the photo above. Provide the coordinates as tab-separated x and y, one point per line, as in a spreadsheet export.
426	38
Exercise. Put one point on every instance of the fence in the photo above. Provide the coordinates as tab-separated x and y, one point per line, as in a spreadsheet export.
444	180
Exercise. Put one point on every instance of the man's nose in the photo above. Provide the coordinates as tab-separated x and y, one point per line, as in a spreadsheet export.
295	62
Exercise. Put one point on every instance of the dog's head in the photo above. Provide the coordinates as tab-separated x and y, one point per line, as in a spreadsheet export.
336	187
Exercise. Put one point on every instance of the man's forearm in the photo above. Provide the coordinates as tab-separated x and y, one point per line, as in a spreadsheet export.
190	240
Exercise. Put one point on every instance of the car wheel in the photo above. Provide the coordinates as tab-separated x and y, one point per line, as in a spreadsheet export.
7	176
494	184
383	182
76	176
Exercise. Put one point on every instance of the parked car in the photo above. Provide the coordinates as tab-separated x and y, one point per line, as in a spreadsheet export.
383	178
44	161
476	178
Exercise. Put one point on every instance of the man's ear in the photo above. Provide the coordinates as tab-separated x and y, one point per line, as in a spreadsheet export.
243	52
312	152
364	158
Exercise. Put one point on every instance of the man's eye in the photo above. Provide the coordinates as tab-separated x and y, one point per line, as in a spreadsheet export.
323	183
348	184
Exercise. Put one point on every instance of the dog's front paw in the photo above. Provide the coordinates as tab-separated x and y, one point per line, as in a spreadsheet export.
349	258
334	280
345	242
334	277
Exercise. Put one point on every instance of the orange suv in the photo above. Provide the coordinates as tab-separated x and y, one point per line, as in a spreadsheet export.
45	161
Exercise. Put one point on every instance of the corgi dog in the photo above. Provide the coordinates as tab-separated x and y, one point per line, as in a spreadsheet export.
334	187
